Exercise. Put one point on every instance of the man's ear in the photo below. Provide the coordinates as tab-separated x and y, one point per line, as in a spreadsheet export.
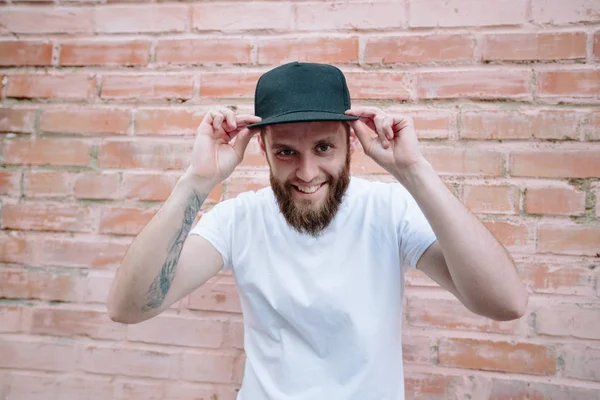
353	141
261	143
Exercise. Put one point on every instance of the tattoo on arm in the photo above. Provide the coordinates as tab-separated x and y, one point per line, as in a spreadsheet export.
161	284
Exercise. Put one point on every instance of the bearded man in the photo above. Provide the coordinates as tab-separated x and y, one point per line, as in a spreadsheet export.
319	256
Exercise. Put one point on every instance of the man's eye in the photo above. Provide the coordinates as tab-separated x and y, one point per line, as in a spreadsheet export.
323	148
286	152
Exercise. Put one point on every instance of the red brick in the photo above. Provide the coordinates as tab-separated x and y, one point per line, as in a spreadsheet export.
541	124
47	183
557	163
569	239
337	16
491	199
598	202
125	220
554	11
579	83
205	367
504	389
430	386
129	362
186	391
38	20
378	85
592	130
566	279
167	121
236	332
10	183
228	84
328	50
155	86
65	322
139	390
596	49
25	53
97	185
511	235
479	84
43	387
147	186
431	124
568	319
146	18
96	253
203	51
16	248
10	319
48	217
178	331
451	314
144	154
105	53
457	13
65	86
40	285
98	287
17	120
20	354
451	160
556	201
217	16
417	349
241	183
216	296
85	120
527	358
45	152
419	49
582	362
534	46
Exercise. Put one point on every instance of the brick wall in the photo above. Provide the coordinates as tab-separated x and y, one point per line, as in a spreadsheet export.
99	103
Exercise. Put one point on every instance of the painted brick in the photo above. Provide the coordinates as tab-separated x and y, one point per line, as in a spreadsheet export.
478	84
205	367
555	201
45	152
575	320
216	296
378	85
16	248
217	16
491	199
186	391
540	124
65	86
554	11
582	362
167	121
592	130
17	120
419	49
534	46
39	355
40	285
81	253
138	390
559	278
596	48
97	185
557	163
129	362
329	50
236	333
335	16
451	160
460	13
228	84
569	239
150	87
48	217
179	331
25	53
65	322
502	356
10	319
125	220
86	120
47	183
98	287
581	83
148	187
203	51
147	18
10	183
105	53
42	387
241	183
144	154
39	20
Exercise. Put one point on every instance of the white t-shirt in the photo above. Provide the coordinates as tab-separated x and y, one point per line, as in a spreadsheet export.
322	317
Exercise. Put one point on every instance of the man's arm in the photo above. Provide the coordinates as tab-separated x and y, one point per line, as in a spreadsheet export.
467	260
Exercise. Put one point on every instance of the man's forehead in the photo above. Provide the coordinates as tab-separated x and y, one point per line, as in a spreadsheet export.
305	131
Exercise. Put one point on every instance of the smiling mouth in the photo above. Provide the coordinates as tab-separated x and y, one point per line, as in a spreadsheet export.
307	189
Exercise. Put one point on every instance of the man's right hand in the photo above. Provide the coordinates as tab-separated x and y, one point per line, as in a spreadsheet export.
214	157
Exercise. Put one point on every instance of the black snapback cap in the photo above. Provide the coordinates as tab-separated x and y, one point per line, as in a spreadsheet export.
301	92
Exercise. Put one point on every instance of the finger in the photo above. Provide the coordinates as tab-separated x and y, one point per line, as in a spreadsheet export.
218	119
363	135
247	119
388	127
229	115
369	122
380	132
369	112
242	140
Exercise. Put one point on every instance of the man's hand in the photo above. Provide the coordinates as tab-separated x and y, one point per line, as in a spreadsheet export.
394	146
214	156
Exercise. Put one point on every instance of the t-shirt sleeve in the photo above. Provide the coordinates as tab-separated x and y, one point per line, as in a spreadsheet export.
415	234
216	227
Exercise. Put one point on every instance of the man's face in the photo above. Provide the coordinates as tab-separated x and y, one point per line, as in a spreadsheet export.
309	171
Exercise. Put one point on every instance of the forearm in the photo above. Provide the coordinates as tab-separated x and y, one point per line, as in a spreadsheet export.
147	271
480	267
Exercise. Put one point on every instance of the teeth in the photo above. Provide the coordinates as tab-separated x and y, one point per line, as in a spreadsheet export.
308	189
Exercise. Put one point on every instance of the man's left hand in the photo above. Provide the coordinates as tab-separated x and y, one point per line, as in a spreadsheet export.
395	146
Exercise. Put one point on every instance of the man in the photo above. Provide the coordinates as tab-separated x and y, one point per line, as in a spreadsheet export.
317	257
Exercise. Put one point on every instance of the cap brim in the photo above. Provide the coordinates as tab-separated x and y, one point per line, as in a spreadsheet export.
303	116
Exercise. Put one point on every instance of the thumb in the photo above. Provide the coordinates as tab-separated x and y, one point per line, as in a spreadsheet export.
242	140
363	135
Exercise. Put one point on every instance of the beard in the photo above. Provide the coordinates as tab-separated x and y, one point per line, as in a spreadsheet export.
308	218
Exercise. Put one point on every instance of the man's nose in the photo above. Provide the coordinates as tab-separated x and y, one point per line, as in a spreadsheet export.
307	170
